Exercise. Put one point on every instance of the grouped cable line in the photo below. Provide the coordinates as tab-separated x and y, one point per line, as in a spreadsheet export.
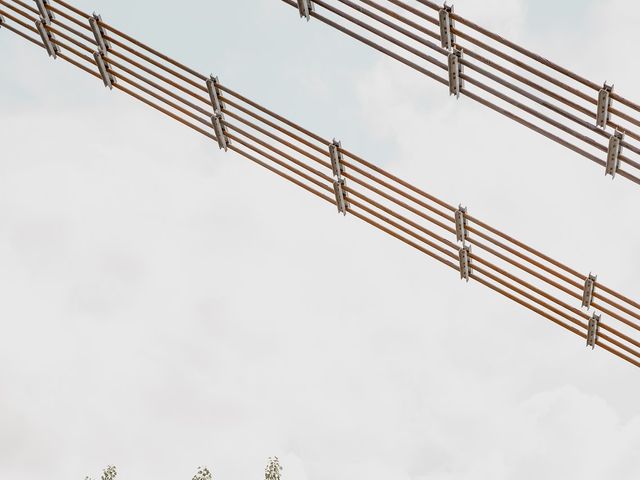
527	88
579	303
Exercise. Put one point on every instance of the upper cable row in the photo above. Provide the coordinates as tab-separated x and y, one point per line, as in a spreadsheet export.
483	66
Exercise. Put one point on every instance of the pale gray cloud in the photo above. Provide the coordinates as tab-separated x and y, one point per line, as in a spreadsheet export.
166	305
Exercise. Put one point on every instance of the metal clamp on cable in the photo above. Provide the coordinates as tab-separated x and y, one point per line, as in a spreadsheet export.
465	262
305	7
613	154
339	182
2	21
103	49
105	72
592	332
98	32
447	38
604	104
336	159
217	119
589	287
48	39
456	69
213	87
461	224
45	15
342	197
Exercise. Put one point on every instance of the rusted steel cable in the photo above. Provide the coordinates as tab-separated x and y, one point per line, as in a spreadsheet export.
388	217
535	309
413	244
18	32
463	91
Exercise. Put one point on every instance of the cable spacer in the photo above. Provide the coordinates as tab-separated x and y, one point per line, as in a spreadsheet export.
213	87
336	159
217	119
305	7
461	224
2	21
105	72
456	69
48	39
98	32
342	197
592	332
613	153
45	15
604	104
447	38
589	287
465	262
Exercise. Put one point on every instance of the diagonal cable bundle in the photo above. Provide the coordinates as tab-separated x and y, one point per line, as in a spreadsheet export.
590	119
579	303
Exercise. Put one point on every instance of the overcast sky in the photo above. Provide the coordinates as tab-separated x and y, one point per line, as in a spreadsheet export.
165	305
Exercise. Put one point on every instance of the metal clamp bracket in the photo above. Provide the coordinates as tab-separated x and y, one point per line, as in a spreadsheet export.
604	104
613	153
305	7
447	38
217	119
342	197
456	69
336	159
213	87
339	182
461	224
592	332
105	72
465	262
98	32
48	39
589	287
45	15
